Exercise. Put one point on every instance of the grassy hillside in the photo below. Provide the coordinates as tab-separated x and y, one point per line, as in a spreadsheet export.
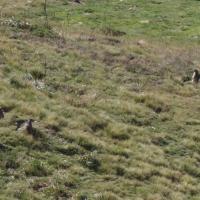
104	82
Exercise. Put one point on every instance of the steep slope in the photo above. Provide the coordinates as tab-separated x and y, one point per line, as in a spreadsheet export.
104	82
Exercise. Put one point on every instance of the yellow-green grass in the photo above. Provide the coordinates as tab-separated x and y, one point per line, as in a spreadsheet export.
114	118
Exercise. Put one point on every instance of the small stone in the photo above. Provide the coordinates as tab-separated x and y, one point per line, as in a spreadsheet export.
141	42
144	21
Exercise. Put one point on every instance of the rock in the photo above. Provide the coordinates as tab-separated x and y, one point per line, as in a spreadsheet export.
144	21
141	42
39	84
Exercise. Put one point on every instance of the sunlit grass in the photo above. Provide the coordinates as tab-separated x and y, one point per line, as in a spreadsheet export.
113	117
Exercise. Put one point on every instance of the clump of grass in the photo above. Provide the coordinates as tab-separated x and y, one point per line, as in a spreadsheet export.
154	103
107	196
71	182
37	74
39	184
88	102
191	170
138	120
117	132
42	31
69	150
91	162
120	152
12	162
61	193
176	150
22	194
120	171
186	78
97	125
37	168
8	105
86	144
112	31
16	82
143	174
82	196
160	141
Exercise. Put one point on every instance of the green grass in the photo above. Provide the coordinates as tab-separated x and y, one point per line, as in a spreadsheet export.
114	119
